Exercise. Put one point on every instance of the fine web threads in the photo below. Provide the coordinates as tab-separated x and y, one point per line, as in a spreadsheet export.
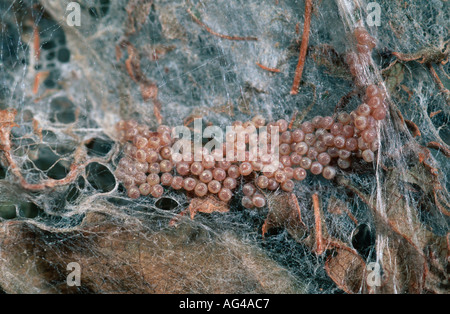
319	147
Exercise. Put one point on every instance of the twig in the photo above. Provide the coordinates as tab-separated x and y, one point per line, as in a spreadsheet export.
157	110
36	43
427	55
435	113
291	124
413	128
318	224
389	66
439	83
294	203
267	68
6	124
423	158
209	30
130	62
406	57
303	48
438	204
37	80
75	170
440	147
37	56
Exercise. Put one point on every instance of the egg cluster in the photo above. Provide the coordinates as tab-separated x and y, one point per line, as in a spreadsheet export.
319	146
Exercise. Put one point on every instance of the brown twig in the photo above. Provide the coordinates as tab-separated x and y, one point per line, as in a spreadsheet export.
294	203
439	83
303	48
130	62
6	124
209	30
413	128
37	56
435	113
36	43
291	123
440	147
427	55
75	170
406	57
37	80
439	205
274	70
423	158
157	110
318	224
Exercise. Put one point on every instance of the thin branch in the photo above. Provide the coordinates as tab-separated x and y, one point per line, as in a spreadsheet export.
303	48
406	57
75	170
439	83
294	203
413	128
6	124
209	30
38	79
36	43
318	224
435	113
440	147
274	70
291	123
